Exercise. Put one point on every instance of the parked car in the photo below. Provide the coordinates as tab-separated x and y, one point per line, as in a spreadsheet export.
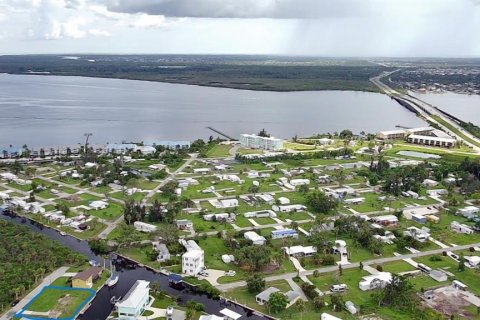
230	273
203	273
169	311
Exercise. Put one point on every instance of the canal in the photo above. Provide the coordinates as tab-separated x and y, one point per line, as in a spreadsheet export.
129	272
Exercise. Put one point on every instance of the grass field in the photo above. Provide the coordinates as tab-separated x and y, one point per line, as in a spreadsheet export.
112	212
64	300
219	150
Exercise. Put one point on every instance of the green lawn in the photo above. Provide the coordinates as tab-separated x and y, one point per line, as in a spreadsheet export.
142	184
469	276
112	212
26	187
200	225
138	196
264	221
66	301
219	150
249	151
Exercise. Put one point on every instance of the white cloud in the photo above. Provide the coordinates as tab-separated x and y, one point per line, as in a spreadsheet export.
299	27
147	21
99	33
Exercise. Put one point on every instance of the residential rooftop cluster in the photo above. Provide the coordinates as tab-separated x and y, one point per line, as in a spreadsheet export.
270	232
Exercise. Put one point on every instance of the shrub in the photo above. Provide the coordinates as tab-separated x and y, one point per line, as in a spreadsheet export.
379	268
435	258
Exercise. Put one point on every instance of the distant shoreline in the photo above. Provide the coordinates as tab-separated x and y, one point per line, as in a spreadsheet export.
199	84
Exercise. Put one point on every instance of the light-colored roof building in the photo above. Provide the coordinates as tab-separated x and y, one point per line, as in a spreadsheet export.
255	237
229	314
134	302
379	280
300	250
257	142
264	296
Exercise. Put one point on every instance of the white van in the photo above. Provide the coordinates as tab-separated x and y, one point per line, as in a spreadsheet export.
338	287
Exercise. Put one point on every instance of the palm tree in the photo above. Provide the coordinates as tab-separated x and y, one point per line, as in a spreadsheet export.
300	306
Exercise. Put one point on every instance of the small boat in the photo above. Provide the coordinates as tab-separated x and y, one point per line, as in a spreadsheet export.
93	263
114	300
63	233
113	280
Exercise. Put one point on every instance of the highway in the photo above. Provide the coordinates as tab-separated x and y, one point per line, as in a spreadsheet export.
426	111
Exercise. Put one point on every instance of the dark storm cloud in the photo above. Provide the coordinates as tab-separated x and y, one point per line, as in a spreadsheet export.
279	9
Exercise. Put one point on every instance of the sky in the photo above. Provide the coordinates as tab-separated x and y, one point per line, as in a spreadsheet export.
347	28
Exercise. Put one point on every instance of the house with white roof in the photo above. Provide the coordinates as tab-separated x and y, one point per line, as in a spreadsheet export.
144	227
229	203
133	304
4	196
201	170
386	220
145	149
468	212
430	183
387	238
192	260
230	177
289	208
184	183
260	214
210	317
327	316
358	200
265	197
8	176
410	212
300	251
264	296
437	192
299	182
229	314
472	261
98	205
284	233
157	166
379	280
163	252
461	228
421	235
255	238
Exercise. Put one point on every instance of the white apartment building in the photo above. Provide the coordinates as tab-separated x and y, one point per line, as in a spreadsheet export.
193	259
257	142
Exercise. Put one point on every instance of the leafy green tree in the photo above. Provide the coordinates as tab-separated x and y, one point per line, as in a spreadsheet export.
318	303
461	264
320	202
399	294
336	301
255	283
303	189
277	302
255	257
